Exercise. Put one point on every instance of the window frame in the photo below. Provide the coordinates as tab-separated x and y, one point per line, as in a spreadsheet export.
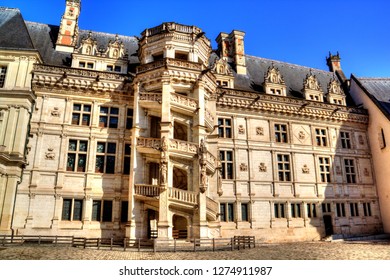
111	119
296	210
354	209
340	210
81	114
245	212
311	210
225	130
105	158
324	169
280	135
367	212
350	170
77	153
346	140
279	210
227	166
129	118
126	159
104	210
73	213
284	175
321	137
3	75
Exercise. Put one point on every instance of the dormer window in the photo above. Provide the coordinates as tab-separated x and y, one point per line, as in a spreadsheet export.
88	65
274	82
276	91
114	68
335	93
312	88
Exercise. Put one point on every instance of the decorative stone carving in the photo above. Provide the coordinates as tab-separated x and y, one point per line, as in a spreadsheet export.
163	172
273	76
56	112
221	67
366	172
50	155
260	131
262	167
334	87
241	129
219	189
243	167
338	170
311	82
305	169
301	135
361	140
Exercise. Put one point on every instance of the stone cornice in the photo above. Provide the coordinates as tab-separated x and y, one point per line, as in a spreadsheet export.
289	106
71	80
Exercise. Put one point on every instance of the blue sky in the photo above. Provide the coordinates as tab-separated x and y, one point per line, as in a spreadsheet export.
295	31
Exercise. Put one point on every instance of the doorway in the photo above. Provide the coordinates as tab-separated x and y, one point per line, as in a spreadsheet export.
328	225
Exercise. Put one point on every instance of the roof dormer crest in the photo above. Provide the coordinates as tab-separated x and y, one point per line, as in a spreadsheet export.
311	82
88	46
273	76
221	67
115	49
334	87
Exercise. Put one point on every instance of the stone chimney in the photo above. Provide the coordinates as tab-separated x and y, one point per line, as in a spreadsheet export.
231	48
69	30
333	62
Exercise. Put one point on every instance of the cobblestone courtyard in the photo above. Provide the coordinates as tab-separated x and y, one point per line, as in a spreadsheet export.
287	251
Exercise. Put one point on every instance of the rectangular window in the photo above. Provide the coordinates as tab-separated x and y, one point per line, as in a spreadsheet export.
311	210
296	210
129	119
126	159
321	138
81	114
340	209
244	212
284	171
77	155
105	158
345	140
124	211
72	209
279	210
109	117
102	210
367	209
225	128
281	133
324	165
350	172
326	208
226	212
3	72
226	158
354	208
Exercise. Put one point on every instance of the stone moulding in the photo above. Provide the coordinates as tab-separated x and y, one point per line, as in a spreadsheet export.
291	106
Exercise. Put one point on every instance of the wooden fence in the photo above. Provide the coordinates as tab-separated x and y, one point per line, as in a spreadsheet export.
151	245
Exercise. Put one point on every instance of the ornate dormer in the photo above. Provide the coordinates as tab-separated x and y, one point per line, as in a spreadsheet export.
88	55
274	82
223	73
69	30
88	46
115	49
312	88
335	93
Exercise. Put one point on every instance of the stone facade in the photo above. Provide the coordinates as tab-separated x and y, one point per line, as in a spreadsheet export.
186	142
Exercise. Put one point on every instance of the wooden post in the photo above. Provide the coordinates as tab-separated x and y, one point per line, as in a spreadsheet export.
154	245
4	240
55	243
98	241
232	243
85	242
124	244
112	241
174	245
194	245
72	241
39	240
213	244
139	244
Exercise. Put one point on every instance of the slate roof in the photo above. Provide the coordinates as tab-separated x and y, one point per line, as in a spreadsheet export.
16	33
13	30
378	90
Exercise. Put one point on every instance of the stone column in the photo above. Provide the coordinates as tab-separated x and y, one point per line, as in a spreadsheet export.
11	182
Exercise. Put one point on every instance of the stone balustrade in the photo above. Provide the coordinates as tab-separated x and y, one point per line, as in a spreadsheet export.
183	196
156	97
147	190
184	101
183	146
153	143
212	205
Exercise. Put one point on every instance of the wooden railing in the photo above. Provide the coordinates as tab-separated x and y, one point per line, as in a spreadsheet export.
139	244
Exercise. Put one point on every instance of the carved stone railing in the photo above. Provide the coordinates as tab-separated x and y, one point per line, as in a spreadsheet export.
211	160
184	101
183	146
183	196
169	62
147	190
153	143
212	205
171	27
156	97
209	118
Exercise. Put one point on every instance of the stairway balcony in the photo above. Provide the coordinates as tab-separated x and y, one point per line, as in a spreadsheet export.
148	145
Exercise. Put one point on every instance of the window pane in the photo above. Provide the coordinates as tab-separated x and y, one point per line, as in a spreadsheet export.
99	164
82	163
85	120
231	212
104	110
70	166
96	210
110	166
72	145
114	111
101	147
103	121
77	210
87	108
107	211
124	210
127	149
111	148
244	212
75	118
76	107
66	209
83	146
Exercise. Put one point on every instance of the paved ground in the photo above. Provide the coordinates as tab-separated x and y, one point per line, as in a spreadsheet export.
288	251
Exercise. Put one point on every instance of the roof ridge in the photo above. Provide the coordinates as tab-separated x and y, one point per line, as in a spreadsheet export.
291	64
374	78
